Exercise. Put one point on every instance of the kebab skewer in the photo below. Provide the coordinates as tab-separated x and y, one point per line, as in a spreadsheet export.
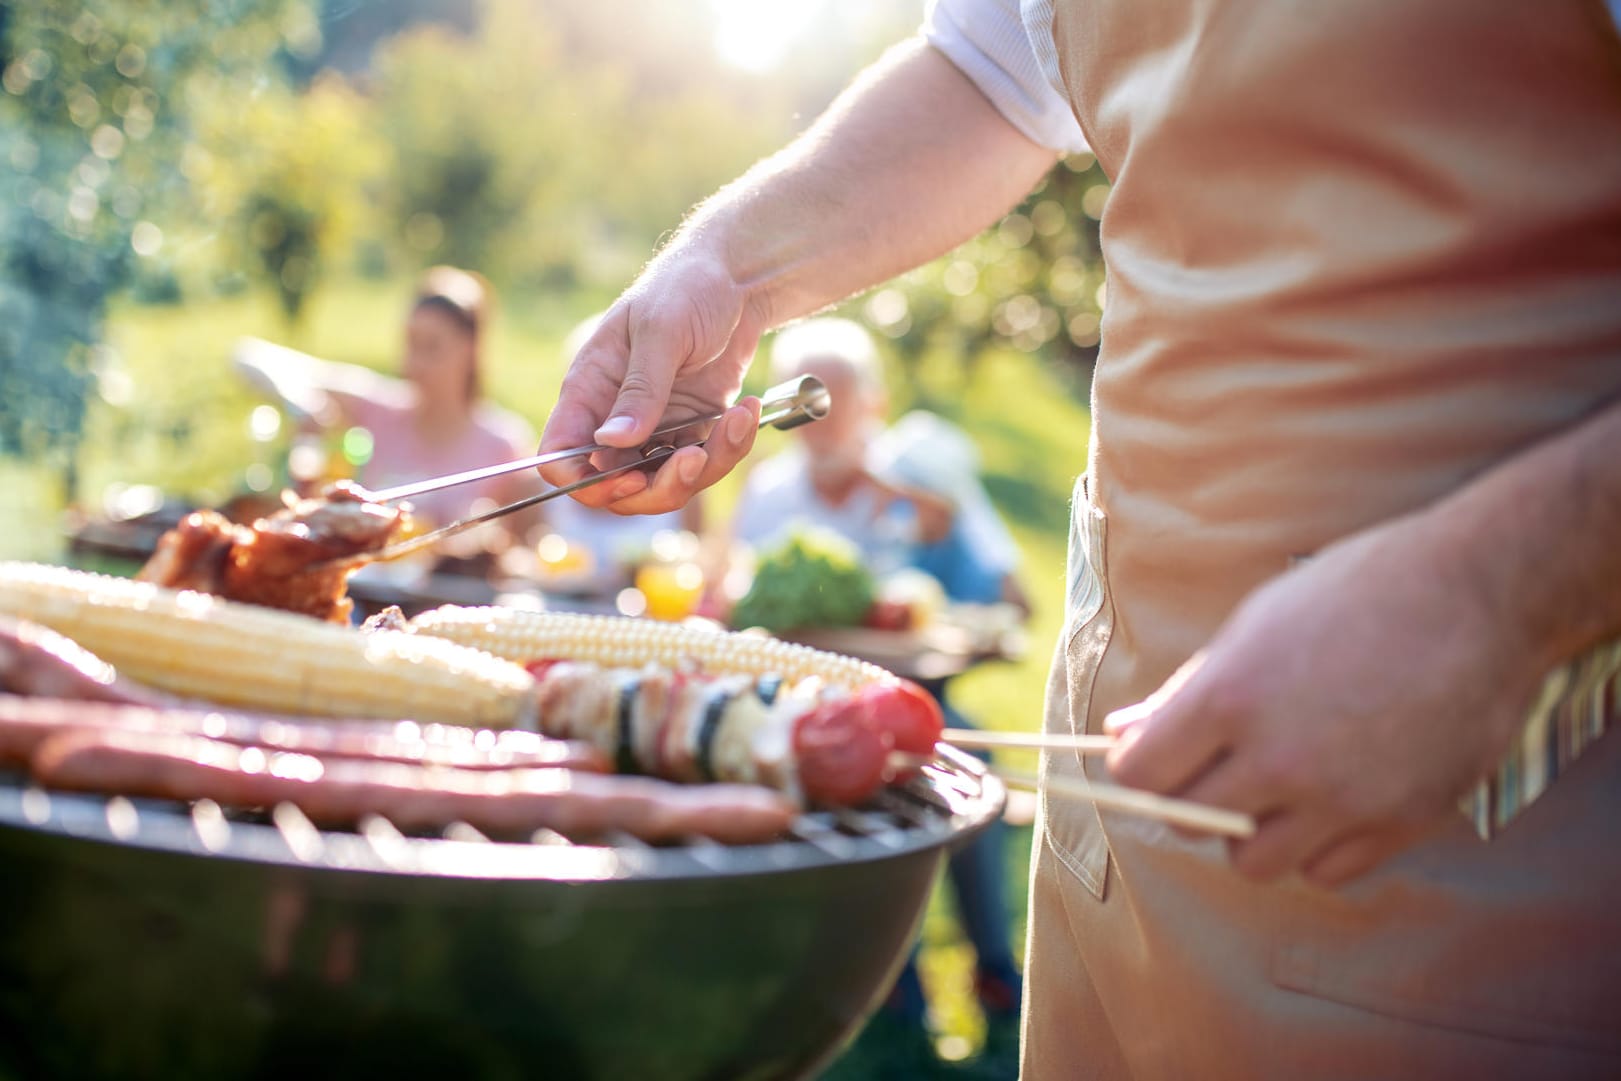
908	721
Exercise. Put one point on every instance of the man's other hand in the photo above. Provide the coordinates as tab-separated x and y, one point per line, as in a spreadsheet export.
1347	704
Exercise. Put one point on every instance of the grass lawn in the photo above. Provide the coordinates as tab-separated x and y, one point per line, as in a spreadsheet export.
182	423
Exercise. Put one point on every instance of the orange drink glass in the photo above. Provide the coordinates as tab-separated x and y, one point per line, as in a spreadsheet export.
672	590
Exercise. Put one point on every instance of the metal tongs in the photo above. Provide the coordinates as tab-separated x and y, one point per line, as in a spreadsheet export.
785	406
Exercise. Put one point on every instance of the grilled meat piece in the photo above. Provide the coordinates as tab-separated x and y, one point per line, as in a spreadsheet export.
26	723
194	553
284	560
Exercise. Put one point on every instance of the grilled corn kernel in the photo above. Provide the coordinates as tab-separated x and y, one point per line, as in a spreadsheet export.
617	642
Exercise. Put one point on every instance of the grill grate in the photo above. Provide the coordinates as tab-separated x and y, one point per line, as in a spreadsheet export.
943	799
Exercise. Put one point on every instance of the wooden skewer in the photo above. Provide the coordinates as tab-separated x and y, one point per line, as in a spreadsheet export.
1180	812
1036	741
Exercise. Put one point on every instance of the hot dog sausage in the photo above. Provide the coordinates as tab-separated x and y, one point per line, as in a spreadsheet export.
26	722
501	802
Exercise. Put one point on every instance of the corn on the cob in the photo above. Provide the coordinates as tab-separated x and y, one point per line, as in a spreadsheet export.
616	642
202	646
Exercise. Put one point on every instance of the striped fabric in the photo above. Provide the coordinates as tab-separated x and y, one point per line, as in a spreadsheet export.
1577	703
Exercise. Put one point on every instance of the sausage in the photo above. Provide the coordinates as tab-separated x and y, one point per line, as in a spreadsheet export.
26	722
500	802
36	660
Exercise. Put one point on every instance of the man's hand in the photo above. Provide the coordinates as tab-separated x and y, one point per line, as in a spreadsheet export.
677	343
1346	704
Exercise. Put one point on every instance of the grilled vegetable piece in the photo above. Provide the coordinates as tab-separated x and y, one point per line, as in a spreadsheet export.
616	642
26	723
841	756
905	714
501	802
201	646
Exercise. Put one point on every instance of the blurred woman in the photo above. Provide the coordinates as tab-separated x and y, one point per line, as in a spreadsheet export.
431	421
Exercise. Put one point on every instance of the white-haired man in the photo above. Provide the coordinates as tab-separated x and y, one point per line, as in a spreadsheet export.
824	480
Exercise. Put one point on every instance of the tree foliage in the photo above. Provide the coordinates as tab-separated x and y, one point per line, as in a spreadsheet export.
292	175
490	142
1035	282
94	101
536	140
534	152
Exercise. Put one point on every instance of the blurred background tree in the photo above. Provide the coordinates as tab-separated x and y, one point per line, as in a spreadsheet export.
492	141
93	115
1034	283
191	149
541	151
293	177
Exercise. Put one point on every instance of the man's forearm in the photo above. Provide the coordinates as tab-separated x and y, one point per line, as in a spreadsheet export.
909	162
1539	538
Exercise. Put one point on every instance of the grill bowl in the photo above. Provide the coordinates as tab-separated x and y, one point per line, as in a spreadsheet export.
148	940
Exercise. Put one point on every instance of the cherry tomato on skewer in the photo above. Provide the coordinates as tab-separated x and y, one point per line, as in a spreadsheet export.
841	753
907	713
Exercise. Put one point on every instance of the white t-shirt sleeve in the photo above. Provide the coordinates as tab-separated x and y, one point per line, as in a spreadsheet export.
986	40
765	503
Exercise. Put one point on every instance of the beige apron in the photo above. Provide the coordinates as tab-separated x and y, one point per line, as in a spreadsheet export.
1358	253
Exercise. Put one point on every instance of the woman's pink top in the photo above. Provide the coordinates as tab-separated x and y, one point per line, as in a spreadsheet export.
400	453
